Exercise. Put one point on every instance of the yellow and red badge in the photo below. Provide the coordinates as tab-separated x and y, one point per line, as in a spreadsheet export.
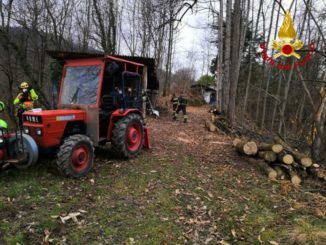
288	43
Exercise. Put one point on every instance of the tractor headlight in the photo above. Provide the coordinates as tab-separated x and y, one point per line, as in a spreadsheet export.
1	140
38	131
26	130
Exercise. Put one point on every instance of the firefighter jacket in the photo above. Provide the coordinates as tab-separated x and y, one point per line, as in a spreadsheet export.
3	123
183	101
26	100
174	100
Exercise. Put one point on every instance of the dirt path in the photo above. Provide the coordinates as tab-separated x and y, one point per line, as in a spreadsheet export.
190	138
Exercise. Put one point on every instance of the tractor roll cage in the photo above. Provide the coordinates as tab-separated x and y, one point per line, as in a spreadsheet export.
139	62
139	86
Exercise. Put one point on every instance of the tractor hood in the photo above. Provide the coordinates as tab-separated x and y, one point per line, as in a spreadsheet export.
48	128
50	116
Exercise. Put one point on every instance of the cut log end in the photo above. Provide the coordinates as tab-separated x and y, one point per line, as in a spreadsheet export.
236	141
277	148
272	175
296	180
286	158
306	161
250	148
315	165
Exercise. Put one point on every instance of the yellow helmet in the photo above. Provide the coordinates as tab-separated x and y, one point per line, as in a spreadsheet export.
24	85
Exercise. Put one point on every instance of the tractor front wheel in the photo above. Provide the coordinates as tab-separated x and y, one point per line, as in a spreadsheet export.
128	136
76	156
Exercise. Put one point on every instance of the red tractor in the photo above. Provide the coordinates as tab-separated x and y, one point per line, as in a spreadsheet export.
100	101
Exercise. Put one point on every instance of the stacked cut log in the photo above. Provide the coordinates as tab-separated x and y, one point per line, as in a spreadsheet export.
279	161
218	123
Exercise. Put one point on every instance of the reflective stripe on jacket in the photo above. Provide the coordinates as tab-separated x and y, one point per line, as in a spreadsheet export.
3	124
22	98
175	100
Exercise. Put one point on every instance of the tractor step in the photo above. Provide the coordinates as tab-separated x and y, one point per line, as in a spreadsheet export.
4	167
17	160
147	140
103	139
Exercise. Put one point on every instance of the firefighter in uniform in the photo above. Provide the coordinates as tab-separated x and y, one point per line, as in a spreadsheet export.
175	102
3	124
25	100
183	107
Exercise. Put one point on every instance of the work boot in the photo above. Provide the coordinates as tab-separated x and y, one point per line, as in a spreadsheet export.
174	116
185	118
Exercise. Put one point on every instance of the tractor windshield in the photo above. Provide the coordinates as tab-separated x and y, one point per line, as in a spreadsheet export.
80	85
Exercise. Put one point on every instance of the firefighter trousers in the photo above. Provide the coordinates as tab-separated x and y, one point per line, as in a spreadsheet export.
183	108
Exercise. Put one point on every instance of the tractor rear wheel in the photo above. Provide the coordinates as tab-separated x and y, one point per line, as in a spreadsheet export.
128	136
23	147
76	156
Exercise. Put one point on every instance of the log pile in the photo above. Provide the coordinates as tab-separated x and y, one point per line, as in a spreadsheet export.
218	123
279	161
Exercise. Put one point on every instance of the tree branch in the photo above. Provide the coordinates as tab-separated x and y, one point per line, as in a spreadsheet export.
174	17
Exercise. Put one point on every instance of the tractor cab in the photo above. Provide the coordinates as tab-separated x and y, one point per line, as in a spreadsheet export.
121	90
100	101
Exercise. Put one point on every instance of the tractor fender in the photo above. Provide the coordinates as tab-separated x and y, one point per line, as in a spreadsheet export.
29	145
118	114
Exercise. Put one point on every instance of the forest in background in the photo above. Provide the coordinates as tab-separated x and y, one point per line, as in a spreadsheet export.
290	103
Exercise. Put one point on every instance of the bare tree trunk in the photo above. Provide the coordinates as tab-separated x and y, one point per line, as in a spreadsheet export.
304	85
285	99
219	75
237	50
270	69
264	70
235	59
251	61
168	65
251	44
105	21
277	102
227	57
319	124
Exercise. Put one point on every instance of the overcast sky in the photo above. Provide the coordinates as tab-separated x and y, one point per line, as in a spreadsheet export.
193	47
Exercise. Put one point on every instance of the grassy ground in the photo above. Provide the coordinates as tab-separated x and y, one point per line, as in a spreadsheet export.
190	189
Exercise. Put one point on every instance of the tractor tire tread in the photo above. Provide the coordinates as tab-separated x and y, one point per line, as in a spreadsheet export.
119	136
64	155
